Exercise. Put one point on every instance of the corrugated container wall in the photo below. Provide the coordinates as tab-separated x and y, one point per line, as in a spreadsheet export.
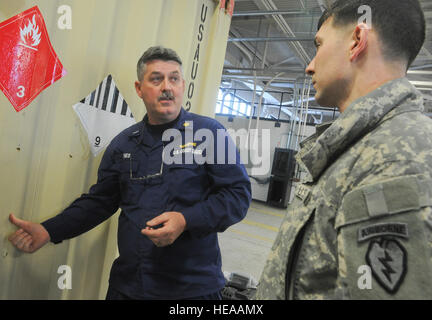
45	158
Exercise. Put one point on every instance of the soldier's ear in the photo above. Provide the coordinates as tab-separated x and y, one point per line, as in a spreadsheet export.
359	41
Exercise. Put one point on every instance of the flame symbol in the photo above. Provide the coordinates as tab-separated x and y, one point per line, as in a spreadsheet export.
29	35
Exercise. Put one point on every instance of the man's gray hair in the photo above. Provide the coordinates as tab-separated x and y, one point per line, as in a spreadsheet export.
156	53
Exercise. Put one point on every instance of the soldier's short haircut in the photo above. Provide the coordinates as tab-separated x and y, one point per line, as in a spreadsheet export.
156	53
400	24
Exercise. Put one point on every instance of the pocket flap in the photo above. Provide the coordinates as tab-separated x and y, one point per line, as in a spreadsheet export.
190	166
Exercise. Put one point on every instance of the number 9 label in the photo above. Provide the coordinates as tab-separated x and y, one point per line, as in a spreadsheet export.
97	141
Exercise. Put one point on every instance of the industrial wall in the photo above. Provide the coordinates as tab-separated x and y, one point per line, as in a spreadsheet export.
45	159
278	137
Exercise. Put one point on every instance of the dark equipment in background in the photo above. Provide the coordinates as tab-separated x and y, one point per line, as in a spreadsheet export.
283	169
239	287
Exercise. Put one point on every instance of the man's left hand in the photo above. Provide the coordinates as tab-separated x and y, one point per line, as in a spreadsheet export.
172	225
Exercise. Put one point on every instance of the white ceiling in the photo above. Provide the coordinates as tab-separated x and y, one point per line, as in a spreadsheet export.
274	38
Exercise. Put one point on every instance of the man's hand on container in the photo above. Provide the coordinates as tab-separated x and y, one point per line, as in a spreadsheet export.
30	236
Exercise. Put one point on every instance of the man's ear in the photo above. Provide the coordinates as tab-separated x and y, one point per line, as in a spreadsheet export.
359	41
137	88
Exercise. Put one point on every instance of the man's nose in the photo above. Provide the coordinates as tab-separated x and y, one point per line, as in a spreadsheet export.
166	85
310	69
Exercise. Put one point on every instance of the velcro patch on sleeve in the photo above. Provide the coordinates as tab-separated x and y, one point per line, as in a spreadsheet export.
389	197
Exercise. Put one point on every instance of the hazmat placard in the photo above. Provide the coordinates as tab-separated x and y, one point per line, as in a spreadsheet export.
28	62
104	113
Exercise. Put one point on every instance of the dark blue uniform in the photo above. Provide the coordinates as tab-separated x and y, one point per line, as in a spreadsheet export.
210	196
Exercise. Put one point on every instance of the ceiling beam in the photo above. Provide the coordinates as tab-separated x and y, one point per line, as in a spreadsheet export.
265	39
422	83
286	69
275	12
286	29
419	72
246	77
247	46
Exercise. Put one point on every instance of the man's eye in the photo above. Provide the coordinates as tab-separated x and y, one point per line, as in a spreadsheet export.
175	79
155	79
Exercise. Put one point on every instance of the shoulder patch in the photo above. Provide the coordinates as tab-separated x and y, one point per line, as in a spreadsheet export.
396	229
388	261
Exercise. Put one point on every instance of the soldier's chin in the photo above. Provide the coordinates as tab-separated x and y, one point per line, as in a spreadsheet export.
324	101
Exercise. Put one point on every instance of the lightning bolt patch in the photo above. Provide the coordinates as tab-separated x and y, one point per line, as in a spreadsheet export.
388	261
387	271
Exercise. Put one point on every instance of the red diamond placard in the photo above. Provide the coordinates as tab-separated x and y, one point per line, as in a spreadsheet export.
28	63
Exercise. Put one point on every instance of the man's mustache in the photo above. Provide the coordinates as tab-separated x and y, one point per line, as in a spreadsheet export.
166	95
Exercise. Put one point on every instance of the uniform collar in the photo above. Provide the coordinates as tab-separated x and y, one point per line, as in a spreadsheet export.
358	119
142	136
184	121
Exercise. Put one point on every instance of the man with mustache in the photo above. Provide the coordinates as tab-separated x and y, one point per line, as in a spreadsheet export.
171	213
361	222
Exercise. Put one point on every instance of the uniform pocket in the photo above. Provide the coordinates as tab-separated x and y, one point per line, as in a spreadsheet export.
187	182
129	187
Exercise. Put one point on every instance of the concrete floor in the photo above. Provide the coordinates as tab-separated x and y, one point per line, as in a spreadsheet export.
246	245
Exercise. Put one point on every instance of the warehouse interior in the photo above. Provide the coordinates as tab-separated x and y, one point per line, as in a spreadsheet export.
249	75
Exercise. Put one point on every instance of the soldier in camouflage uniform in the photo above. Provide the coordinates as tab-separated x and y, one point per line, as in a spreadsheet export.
360	226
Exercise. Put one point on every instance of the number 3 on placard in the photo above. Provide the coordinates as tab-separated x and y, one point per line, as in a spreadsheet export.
21	91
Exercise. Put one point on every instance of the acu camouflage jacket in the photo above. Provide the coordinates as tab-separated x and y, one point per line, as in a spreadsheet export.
361	223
